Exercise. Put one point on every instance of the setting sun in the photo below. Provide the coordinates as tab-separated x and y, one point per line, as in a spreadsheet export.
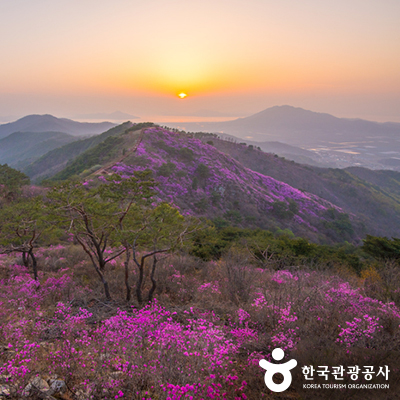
182	95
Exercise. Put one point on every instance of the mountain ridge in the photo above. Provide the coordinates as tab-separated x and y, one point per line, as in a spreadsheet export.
370	207
49	123
19	149
374	196
54	161
202	181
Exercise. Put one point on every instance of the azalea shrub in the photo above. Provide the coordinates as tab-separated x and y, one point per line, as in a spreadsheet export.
190	172
200	338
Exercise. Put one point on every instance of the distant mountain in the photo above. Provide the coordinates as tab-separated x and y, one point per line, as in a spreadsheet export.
339	142
56	160
22	148
115	116
297	126
48	123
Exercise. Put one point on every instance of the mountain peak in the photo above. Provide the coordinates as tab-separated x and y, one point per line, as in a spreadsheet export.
49	123
287	113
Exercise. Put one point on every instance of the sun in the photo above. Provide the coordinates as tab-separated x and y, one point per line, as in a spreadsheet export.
182	95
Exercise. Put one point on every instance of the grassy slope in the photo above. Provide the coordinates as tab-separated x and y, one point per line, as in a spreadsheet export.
108	150
56	160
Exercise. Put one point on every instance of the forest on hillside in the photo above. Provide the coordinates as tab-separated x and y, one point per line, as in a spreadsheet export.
107	292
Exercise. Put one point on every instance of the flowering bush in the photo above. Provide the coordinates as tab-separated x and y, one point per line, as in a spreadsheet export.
192	341
190	172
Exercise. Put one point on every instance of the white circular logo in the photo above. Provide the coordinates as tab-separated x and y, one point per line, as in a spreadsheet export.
272	369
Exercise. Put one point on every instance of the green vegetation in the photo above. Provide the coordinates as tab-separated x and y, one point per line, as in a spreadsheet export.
94	217
186	154
140	125
166	169
382	248
11	182
203	171
54	161
339	225
12	179
118	215
21	226
282	210
99	154
280	249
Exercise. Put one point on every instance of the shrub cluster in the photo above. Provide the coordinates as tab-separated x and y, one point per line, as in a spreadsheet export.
201	337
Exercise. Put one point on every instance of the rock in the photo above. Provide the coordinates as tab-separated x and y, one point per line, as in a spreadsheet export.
57	386
40	384
81	395
36	383
4	391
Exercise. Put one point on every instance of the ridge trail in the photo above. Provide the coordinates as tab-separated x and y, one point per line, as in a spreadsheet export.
105	169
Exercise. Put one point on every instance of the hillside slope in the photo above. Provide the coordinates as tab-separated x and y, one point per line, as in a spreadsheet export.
22	148
202	181
54	161
374	196
383	180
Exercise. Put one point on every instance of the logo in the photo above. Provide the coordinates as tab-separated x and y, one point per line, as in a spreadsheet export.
272	369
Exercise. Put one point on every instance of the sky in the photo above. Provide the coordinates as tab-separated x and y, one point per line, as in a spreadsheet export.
231	57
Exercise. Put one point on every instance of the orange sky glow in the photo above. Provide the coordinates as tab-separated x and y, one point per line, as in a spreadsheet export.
234	57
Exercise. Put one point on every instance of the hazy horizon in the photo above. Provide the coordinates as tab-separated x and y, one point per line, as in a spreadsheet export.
170	118
232	58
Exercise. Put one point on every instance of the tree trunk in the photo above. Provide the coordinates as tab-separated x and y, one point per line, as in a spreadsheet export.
106	290
153	288
25	259
139	282
103	280
34	265
102	265
128	288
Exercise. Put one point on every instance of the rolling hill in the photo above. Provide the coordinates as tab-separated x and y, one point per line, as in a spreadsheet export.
202	181
237	183
22	148
56	160
48	123
373	196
